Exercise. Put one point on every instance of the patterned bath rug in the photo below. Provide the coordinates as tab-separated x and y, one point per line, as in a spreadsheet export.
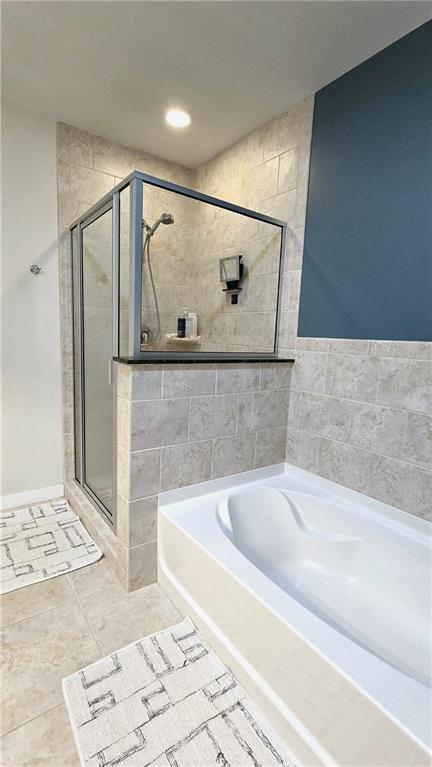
41	542
168	701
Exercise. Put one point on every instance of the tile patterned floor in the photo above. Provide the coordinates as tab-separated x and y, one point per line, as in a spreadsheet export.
50	630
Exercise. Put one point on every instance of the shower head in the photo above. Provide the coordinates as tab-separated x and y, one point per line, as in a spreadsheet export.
165	218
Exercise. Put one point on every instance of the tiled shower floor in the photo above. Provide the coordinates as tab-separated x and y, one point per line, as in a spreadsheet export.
50	630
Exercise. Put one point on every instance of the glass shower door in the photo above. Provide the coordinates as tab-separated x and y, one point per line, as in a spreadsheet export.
97	351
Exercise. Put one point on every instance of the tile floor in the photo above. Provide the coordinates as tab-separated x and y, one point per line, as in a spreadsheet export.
50	630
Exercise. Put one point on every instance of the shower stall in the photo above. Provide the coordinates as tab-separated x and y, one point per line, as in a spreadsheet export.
163	273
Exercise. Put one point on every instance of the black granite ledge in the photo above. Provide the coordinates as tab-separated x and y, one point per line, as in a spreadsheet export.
162	360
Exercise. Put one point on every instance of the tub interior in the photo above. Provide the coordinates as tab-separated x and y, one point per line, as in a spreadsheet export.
365	578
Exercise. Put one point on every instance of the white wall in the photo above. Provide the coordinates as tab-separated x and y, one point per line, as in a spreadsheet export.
32	457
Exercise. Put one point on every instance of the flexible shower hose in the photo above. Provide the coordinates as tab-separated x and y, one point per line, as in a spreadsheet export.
146	249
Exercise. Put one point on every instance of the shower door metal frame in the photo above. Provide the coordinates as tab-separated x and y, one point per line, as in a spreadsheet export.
111	201
136	180
113	205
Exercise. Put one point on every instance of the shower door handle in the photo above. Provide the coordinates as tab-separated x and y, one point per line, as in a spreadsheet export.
110	371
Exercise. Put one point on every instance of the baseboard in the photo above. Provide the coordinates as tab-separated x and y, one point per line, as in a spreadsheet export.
31	496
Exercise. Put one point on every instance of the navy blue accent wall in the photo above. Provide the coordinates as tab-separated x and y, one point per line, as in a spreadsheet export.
367	264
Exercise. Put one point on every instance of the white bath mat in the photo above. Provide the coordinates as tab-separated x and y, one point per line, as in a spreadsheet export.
41	542
168	701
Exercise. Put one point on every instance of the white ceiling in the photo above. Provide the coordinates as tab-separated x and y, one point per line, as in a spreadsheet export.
114	67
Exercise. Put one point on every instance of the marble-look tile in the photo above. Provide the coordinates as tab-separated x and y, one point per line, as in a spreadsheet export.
288	329
113	158
63	132
28	601
424	350
262	410
146	383
232	455
261	182
212	416
139	564
291	290
159	422
93	578
281	206
46	741
302	449
294	408
352	376
89	185
118	621
260	294
34	657
323	415
288	130
348	346
276	376
401	484
344	464
186	382
270	447
123	374
261	256
138	473
124	423
237	379
309	371
294	248
186	464
69	211
418	441
137	520
288	168
303	163
406	384
63	178
376	428
80	147
393	348
299	218
306	344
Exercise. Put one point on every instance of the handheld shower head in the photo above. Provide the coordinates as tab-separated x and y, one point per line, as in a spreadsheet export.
165	218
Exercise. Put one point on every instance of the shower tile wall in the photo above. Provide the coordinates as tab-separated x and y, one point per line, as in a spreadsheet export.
267	172
184	424
88	167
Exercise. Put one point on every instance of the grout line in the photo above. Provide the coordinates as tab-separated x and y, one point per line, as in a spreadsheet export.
32	719
39	612
237	414
85	616
362	449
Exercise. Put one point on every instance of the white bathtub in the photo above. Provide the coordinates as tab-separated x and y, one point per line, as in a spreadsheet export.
321	596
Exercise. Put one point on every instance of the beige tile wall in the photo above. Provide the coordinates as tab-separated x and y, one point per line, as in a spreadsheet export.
267	171
184	424
361	415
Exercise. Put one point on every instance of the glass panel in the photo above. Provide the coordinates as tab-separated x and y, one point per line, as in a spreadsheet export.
97	332
185	257
76	353
124	270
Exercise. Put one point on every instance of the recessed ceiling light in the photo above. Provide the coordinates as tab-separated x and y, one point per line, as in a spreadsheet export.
177	118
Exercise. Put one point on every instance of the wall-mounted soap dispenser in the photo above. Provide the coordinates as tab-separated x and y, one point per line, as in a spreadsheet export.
231	272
